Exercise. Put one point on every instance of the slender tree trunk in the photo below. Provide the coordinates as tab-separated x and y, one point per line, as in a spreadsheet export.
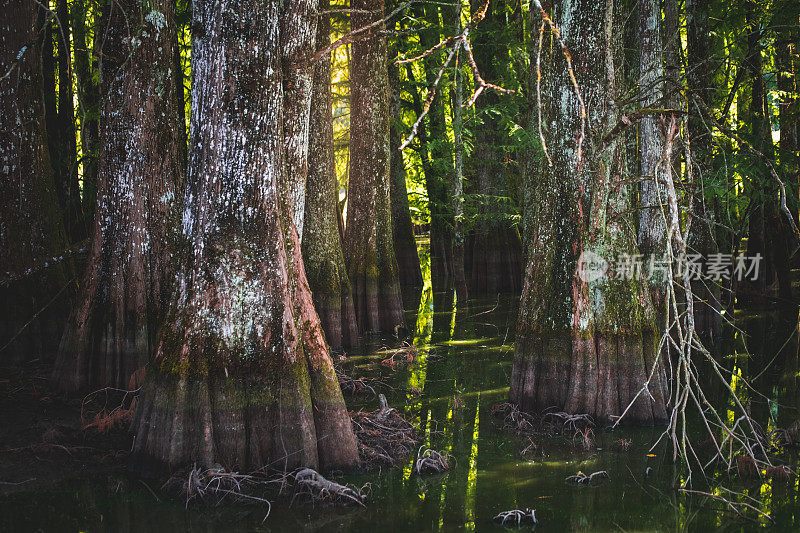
241	374
405	245
322	246
63	156
494	260
585	344
702	237
439	171
368	243
457	195
88	107
31	228
112	331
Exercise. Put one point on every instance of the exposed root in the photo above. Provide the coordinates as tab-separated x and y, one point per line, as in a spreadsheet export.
548	423
313	485
431	462
582	479
384	437
622	445
517	517
405	354
109	409
585	438
356	386
213	485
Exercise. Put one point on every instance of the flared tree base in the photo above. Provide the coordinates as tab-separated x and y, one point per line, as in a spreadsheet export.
599	376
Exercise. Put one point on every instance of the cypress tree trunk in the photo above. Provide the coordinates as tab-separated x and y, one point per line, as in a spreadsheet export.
88	107
300	21
768	230
322	246
241	374
368	243
494	258
405	245
112	330
652	227
61	130
439	170
585	344
702	238
31	228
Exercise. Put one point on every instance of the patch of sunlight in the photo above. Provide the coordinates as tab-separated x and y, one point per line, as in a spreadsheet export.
472	475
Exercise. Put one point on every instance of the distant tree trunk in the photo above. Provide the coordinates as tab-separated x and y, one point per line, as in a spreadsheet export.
61	131
652	227
494	258
31	228
585	344
241	374
789	111
322	246
768	229
368	243
702	237
300	20
405	245
439	171
457	195
112	331
88	106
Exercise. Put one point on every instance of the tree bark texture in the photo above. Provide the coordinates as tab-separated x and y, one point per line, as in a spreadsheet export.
31	228
368	244
241	374
584	344
322	246
112	331
494	250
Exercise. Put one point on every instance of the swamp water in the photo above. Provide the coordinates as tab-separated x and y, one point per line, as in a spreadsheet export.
461	369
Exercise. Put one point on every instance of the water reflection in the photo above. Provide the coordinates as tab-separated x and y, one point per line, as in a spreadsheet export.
462	368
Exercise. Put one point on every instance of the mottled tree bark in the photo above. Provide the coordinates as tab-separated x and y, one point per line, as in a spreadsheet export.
405	244
31	228
494	255
368	243
112	331
652	200
300	21
322	246
241	374
88	106
585	344
702	238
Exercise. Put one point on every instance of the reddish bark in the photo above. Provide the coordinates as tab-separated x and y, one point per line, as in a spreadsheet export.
241	375
111	332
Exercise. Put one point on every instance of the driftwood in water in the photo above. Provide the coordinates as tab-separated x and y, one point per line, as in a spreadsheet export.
317	488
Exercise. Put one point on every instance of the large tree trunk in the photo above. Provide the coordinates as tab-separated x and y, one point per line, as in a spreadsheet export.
494	256
702	237
300	21
652	214
585	344
112	331
368	243
31	229
241	374
405	244
322	246
88	106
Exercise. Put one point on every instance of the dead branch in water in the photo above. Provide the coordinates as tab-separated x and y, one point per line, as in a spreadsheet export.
431	462
582	479
517	517
385	438
312	484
